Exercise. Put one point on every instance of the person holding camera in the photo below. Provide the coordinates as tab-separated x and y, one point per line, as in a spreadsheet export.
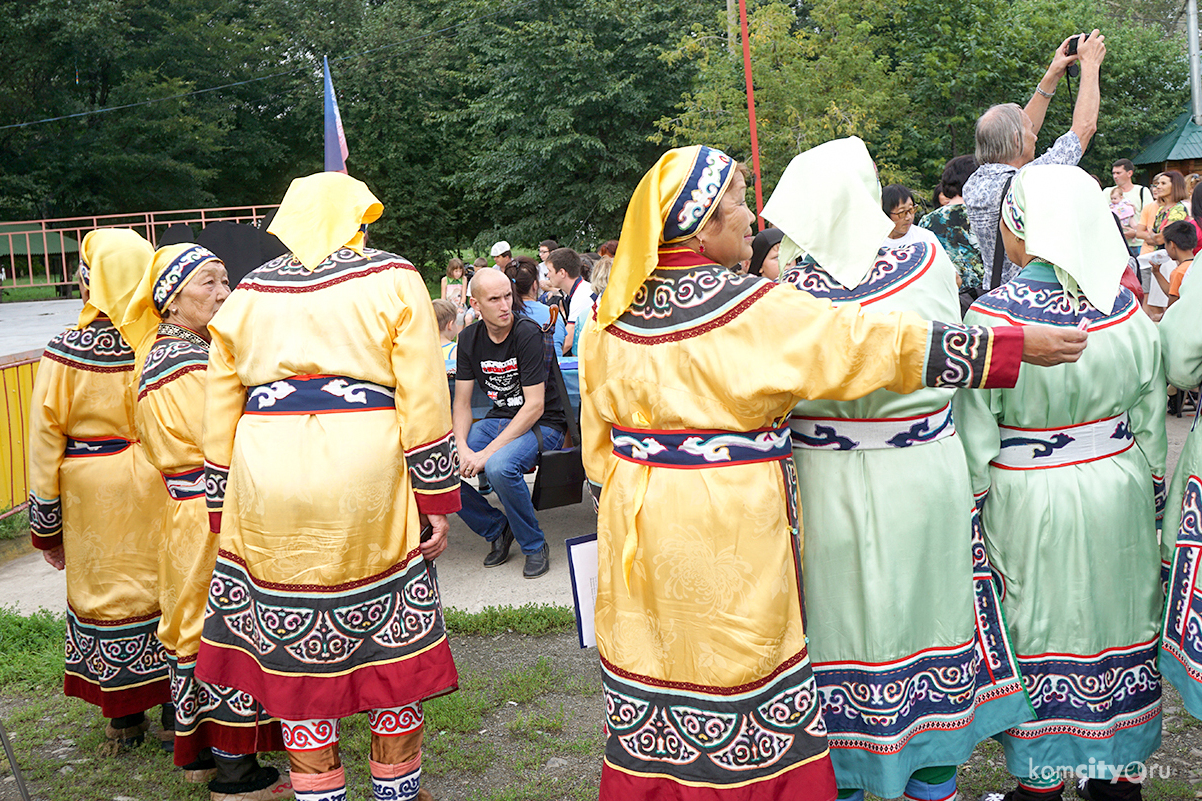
1006	143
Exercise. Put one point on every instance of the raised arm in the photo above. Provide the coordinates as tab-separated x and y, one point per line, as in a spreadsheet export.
1037	106
844	353
1085	114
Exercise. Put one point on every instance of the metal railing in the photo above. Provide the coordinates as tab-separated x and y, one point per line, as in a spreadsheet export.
44	253
16	384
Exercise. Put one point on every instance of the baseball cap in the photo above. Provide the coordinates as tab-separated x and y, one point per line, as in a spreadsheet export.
499	248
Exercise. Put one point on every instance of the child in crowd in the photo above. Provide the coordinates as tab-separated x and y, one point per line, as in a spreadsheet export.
1121	207
454	284
1179	243
445	312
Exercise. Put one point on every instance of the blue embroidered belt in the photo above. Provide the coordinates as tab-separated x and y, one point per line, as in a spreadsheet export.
185	486
1040	448
838	434
687	448
99	446
318	394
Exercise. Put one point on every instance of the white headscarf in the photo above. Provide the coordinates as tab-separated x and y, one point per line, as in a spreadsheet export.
1063	218
828	203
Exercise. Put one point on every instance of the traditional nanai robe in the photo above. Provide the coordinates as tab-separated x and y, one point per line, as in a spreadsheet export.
328	414
708	685
906	636
1181	535
1069	466
169	416
93	492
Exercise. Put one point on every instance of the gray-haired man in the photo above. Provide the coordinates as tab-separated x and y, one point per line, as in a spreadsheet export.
1006	143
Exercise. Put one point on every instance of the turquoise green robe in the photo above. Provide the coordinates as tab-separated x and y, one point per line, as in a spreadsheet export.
1075	546
906	637
1181	536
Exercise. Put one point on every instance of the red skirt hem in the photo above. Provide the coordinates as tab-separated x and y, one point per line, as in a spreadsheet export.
119	702
230	739
813	781
301	697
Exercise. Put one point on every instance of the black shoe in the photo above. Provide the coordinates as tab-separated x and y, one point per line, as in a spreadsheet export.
537	563
499	554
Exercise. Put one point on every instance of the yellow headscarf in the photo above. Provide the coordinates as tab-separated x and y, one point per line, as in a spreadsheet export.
828	203
171	268
116	260
323	212
675	198
1058	210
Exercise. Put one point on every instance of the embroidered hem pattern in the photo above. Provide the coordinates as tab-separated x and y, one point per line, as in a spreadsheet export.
1181	643
308	651
713	737
880	708
213	716
1094	696
117	665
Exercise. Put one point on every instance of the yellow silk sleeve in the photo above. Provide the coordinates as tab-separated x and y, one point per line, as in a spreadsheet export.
423	400
595	447
170	420
225	397
49	408
836	353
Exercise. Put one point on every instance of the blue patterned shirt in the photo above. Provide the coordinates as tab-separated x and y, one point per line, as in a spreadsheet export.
983	197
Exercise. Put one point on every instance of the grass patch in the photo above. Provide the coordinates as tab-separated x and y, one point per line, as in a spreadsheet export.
527	682
534	619
15	526
31	649
537	724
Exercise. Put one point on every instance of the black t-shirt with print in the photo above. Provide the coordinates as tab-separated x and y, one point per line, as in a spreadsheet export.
501	369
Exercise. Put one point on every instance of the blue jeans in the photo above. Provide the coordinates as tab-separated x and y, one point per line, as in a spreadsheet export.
506	470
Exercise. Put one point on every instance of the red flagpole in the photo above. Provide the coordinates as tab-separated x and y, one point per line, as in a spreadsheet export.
755	140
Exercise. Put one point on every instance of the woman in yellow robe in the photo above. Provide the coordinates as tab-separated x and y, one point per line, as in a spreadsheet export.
328	447
217	729
688	379
96	503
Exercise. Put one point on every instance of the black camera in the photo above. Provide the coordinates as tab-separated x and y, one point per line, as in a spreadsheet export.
1071	50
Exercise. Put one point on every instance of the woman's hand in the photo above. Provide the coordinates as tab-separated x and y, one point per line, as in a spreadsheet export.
437	543
55	557
1045	345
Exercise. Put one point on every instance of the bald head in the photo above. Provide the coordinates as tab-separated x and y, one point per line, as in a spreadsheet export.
487	281
492	298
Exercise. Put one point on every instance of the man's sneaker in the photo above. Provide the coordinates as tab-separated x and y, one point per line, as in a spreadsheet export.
499	554
537	563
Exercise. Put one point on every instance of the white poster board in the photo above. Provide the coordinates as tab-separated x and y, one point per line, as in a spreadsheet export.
582	567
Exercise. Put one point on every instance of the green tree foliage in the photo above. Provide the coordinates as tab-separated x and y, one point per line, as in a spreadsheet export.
911	78
562	98
813	82
474	120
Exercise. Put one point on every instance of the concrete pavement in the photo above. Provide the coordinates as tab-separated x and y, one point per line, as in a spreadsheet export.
30	325
28	583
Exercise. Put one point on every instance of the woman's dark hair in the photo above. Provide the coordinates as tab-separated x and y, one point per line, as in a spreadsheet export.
763	242
894	195
1178	182
524	274
955	173
518	272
